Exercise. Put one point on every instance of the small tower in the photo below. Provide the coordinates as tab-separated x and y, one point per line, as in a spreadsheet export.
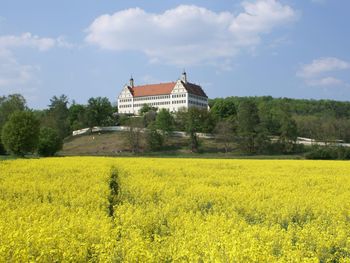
131	83
184	77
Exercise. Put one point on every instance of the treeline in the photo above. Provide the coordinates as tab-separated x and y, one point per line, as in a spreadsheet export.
250	125
242	125
24	130
324	120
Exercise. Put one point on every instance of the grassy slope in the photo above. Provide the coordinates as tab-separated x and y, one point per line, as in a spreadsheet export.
113	144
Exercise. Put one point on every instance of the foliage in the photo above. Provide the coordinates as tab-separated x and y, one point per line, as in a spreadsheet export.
8	105
301	107
134	134
122	119
146	108
165	121
328	153
49	142
288	129
248	123
224	108
193	124
149	117
20	133
99	112
57	116
77	116
154	138
224	133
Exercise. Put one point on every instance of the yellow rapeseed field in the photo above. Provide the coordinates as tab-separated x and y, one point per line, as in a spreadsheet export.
183	210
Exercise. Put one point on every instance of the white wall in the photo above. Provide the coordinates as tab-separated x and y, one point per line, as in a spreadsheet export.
176	100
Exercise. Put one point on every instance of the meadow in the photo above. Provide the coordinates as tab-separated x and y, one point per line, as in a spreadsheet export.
161	210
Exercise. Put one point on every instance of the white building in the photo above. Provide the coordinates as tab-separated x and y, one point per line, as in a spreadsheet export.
171	96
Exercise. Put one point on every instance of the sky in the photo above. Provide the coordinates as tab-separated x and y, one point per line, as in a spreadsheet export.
83	49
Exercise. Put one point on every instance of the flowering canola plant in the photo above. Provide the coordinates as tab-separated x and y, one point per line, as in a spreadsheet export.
156	210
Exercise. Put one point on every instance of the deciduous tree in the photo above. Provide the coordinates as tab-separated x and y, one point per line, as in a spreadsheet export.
49	142
100	112
20	133
165	121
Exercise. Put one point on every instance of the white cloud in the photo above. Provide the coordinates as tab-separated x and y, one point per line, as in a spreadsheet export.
188	34
317	72
322	65
32	41
327	81
15	76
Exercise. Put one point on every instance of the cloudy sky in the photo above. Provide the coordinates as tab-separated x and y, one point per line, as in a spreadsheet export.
282	48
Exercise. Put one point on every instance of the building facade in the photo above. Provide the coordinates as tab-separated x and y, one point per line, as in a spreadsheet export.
172	96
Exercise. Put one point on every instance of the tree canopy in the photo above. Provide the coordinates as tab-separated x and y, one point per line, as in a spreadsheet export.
20	133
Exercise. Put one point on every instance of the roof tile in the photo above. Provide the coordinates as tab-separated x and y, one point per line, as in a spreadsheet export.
152	89
165	88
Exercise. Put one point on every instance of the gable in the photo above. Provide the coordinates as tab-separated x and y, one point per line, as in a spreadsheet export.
125	93
179	88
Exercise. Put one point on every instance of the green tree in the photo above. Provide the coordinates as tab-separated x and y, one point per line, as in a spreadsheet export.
100	112
149	118
248	125
224	108
20	133
268	117
77	116
154	138
288	129
194	120
134	135
146	108
165	121
224	133
49	142
57	116
8	105
180	120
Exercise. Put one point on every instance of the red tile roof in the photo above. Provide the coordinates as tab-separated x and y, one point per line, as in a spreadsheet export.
152	89
165	88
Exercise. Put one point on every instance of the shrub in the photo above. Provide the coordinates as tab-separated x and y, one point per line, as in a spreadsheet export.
328	153
154	139
49	142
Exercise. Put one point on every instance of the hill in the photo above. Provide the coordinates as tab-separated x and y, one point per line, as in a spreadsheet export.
113	144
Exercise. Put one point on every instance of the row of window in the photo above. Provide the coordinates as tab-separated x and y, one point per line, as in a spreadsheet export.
153	103
165	103
160	97
125	106
124	100
198	97
197	103
178	95
164	97
178	101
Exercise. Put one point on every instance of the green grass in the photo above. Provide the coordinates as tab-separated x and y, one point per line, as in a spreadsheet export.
6	157
113	144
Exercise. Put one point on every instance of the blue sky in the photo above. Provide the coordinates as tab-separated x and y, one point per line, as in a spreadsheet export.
282	48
